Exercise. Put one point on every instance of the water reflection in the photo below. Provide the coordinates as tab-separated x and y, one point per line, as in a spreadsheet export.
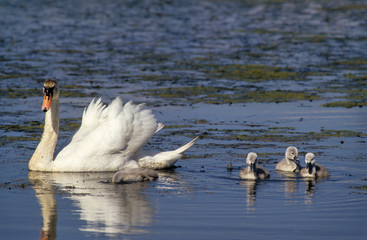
310	190
251	195
105	208
45	193
290	185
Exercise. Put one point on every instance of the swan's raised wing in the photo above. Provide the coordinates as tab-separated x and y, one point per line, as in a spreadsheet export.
108	136
93	116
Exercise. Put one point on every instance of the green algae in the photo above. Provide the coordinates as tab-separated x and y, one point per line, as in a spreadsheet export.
29	127
355	97
77	94
255	73
351	64
314	38
351	85
177	126
252	73
69	124
8	139
222	95
361	187
285	135
359	80
32	130
25	93
345	104
349	7
152	78
8	76
62	51
20	93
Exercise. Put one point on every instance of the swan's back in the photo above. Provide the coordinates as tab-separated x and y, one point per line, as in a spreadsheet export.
262	172
321	172
108	136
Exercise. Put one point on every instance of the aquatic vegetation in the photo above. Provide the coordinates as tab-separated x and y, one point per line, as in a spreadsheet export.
153	78
362	188
316	38
25	93
9	139
32	130
269	134
14	76
29	127
355	64
177	126
222	95
355	97
348	7
252	73
346	104
19	93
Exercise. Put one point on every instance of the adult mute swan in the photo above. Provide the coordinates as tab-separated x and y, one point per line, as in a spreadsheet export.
109	138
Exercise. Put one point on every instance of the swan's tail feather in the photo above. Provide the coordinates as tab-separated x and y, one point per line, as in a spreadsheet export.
186	146
160	126
167	159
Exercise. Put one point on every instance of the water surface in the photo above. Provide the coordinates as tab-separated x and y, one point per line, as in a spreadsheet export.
243	75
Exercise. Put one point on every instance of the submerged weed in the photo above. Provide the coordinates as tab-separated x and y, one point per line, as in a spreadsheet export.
253	73
221	95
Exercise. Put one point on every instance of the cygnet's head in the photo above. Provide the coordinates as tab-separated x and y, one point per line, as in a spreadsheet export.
310	159
251	160
310	163
291	153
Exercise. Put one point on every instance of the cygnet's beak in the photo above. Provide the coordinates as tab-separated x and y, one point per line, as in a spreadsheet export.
296	160
252	167
309	167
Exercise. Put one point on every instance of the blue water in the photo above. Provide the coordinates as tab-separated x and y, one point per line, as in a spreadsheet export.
123	48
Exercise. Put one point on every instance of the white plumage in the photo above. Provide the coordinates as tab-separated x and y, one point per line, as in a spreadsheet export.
108	139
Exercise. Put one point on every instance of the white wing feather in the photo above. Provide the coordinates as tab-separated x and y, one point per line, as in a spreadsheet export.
108	136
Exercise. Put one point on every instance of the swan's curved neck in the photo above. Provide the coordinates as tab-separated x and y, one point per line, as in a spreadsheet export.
44	154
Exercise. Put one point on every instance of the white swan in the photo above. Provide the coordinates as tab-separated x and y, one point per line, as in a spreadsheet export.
312	169
252	171
109	138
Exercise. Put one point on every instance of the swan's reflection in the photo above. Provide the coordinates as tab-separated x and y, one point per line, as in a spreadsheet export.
251	195
42	184
290	185
309	192
105	208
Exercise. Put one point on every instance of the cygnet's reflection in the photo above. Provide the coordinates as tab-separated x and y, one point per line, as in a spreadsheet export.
310	189
251	195
290	184
106	208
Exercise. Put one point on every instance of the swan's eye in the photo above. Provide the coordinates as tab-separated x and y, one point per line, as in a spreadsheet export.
48	91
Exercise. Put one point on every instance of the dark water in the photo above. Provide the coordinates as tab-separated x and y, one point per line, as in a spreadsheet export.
244	75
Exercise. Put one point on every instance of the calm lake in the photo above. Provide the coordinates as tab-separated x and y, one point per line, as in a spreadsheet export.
245	76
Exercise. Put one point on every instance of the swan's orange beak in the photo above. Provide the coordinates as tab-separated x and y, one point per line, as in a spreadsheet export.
46	102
